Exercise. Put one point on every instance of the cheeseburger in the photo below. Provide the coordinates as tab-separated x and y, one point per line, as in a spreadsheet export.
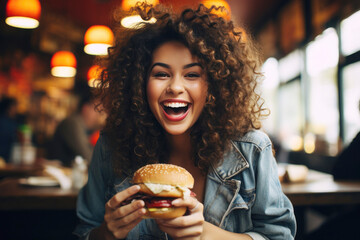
159	185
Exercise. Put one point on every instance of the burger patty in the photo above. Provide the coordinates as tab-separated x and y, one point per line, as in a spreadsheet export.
151	201
138	196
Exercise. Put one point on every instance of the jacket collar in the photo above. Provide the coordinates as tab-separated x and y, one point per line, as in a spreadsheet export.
234	163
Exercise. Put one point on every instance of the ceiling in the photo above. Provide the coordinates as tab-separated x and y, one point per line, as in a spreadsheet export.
251	13
63	24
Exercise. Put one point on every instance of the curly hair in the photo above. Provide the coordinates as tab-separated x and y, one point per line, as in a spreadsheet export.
232	107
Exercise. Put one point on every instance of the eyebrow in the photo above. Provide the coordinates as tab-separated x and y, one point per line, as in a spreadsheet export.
168	66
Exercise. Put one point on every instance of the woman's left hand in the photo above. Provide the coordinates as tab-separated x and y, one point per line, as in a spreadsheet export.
189	226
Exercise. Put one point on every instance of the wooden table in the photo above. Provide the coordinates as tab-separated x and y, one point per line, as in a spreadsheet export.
16	170
14	196
36	212
321	189
318	189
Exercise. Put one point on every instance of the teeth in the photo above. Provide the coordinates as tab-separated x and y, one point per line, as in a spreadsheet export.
175	104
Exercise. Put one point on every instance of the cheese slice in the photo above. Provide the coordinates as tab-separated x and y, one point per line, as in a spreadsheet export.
158	188
185	190
158	209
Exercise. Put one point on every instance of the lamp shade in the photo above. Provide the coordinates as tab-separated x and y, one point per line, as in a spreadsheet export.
94	75
98	39
226	14
63	64
23	13
134	20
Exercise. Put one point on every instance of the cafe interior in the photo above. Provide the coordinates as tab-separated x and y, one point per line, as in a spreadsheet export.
310	51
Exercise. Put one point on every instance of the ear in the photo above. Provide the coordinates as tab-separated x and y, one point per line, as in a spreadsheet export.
210	99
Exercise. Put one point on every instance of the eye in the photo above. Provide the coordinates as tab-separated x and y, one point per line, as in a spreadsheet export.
161	75
192	75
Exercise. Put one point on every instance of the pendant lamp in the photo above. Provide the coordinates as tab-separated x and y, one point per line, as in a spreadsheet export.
98	39
224	13
134	21
93	75
63	64
23	13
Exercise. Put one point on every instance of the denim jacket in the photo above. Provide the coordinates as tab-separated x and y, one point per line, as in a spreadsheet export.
242	195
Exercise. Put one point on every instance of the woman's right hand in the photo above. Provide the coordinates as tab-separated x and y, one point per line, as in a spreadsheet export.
119	220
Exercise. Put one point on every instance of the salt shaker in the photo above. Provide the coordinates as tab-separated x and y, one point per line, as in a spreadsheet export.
79	172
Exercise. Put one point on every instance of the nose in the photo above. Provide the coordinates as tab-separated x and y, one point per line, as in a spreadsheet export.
176	85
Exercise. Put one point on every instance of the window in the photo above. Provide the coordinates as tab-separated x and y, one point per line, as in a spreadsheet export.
291	115
290	66
323	114
269	89
351	88
350	34
301	91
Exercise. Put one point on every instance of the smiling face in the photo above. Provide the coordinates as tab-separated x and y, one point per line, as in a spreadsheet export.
176	87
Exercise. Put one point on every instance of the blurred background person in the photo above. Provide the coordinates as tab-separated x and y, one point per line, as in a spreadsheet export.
347	165
8	126
74	136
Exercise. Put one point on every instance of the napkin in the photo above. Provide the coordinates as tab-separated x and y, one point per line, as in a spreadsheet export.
292	172
58	174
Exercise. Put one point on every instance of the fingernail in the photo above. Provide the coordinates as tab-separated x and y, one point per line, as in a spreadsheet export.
136	188
140	204
176	201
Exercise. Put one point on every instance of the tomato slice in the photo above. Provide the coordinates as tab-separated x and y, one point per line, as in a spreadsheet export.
158	203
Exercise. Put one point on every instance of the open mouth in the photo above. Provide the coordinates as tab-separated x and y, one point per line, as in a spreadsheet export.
175	111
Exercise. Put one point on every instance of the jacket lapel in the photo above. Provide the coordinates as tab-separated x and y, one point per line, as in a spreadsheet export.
222	192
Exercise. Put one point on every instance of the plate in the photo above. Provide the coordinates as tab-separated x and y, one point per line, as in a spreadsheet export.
39	182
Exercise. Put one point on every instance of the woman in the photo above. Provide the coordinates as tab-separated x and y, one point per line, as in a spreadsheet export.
182	91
